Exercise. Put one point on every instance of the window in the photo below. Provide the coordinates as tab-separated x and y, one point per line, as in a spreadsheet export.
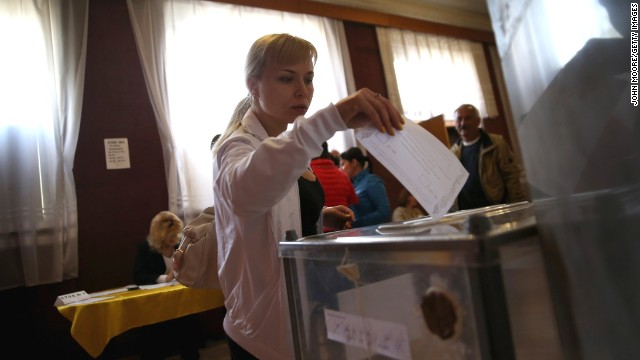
428	75
195	73
40	102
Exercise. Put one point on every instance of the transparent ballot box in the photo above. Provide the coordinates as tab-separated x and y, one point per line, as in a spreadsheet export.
470	285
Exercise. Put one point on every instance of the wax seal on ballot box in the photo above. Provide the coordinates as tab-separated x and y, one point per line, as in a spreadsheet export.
441	312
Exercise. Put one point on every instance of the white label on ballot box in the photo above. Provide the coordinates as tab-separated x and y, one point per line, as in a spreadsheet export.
382	337
71	298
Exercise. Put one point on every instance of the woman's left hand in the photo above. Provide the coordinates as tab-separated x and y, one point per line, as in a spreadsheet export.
337	217
170	275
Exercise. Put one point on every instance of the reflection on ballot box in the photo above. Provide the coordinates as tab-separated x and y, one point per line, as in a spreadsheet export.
470	285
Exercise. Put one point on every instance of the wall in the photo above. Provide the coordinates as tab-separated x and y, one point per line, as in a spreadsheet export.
115	207
363	50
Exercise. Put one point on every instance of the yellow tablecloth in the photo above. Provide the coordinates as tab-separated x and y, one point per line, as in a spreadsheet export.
94	324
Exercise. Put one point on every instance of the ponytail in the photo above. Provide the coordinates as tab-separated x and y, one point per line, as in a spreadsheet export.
355	153
369	164
236	121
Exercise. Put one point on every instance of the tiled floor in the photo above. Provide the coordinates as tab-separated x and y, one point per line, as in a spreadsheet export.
215	350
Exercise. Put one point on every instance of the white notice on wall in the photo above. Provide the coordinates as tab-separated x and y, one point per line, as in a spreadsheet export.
117	153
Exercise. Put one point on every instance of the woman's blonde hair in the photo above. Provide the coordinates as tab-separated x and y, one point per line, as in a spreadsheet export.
268	49
165	229
403	197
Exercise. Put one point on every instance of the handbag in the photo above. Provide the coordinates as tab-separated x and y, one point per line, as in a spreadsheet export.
195	260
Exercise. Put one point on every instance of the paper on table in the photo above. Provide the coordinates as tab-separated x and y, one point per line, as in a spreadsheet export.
108	292
422	164
155	286
92	300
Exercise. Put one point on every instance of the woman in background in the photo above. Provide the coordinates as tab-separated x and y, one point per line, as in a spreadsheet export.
338	189
263	187
153	263
373	204
407	208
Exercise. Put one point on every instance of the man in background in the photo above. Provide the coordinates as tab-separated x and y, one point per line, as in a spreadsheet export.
494	174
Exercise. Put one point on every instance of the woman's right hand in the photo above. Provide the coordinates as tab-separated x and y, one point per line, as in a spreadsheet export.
337	217
364	106
177	260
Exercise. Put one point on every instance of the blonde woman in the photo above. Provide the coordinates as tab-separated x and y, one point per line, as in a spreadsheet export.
153	263
263	187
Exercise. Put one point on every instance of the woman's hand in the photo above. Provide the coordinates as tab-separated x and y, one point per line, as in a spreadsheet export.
364	106
337	217
170	275
177	260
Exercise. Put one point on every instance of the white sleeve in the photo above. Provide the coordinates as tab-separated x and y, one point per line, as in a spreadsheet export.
255	176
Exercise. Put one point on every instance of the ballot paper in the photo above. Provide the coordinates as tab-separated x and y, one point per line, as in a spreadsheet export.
422	164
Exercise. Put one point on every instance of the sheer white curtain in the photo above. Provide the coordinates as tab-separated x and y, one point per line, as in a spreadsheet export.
43	46
193	55
428	75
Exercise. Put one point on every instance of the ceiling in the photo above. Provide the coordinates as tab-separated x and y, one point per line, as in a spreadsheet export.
471	14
